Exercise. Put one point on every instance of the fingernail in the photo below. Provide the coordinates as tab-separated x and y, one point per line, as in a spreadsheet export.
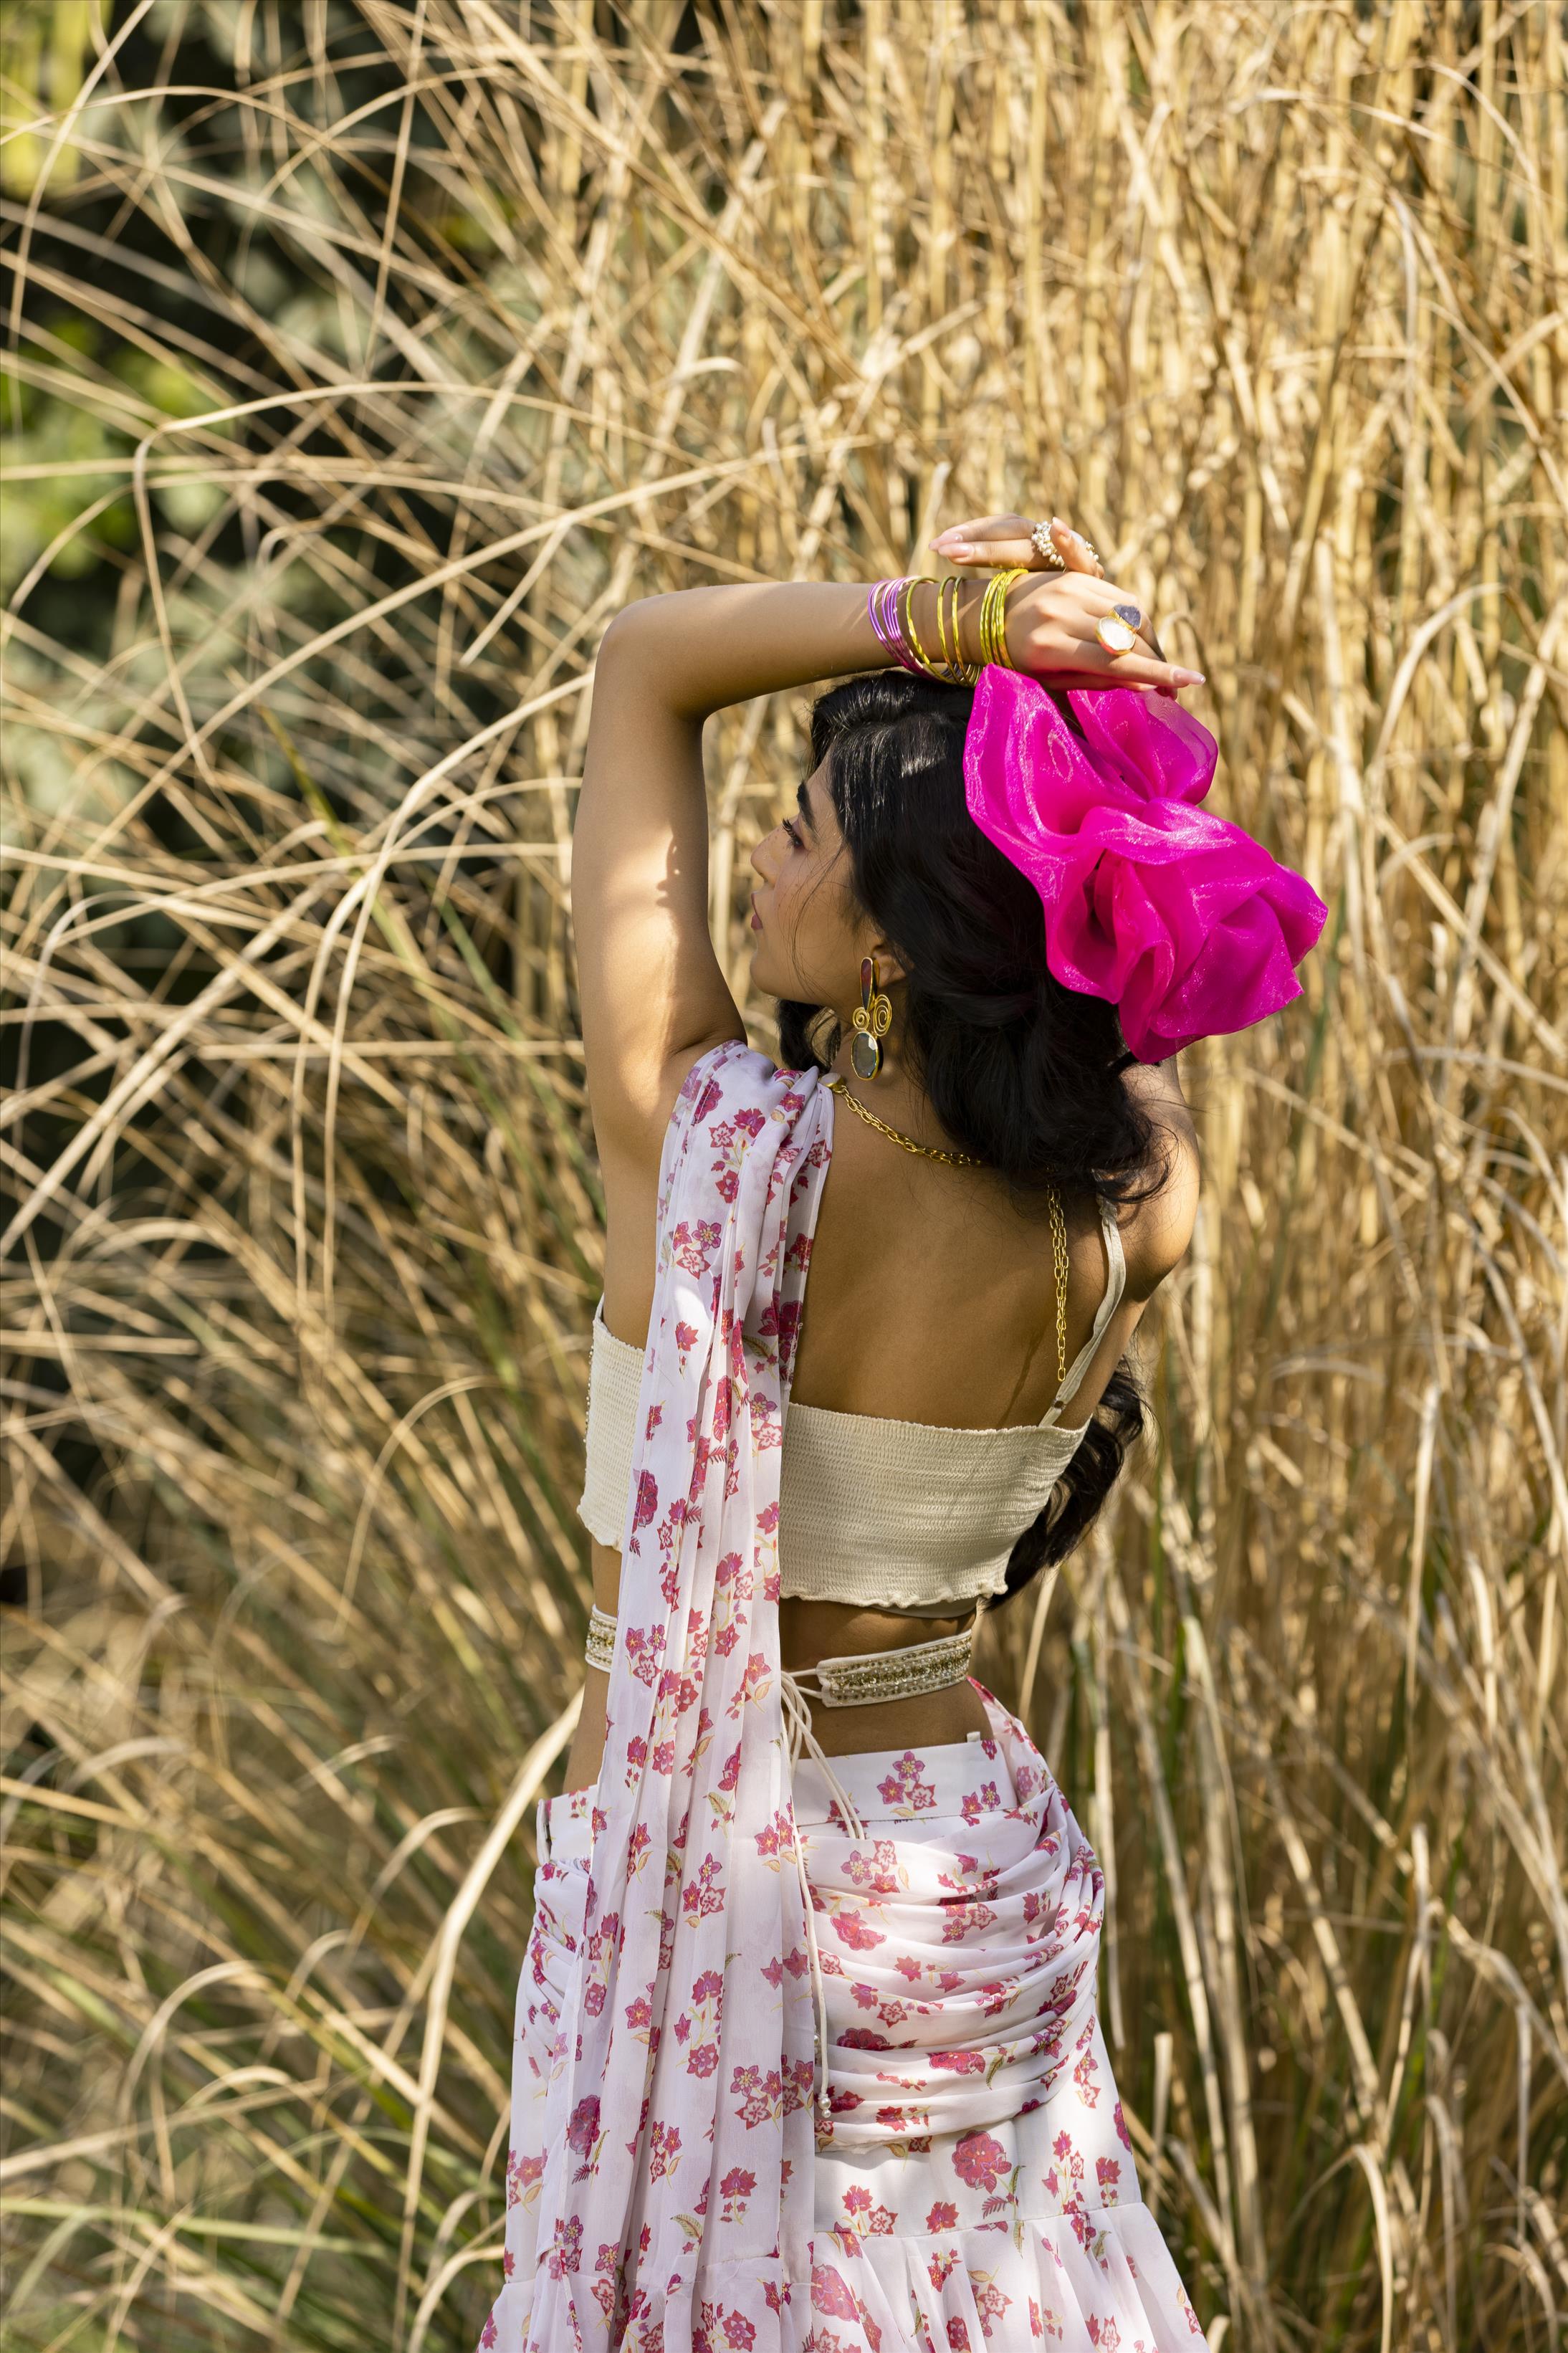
958	549
1189	678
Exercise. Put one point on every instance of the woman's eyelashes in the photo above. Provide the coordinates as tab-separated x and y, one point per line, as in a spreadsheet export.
792	829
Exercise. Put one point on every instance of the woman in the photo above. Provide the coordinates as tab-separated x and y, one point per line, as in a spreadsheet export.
807	2046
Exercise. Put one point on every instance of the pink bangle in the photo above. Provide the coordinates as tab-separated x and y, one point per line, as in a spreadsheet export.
882	608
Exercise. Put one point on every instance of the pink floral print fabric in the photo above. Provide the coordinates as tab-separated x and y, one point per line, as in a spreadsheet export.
671	2187
1019	2223
687	2033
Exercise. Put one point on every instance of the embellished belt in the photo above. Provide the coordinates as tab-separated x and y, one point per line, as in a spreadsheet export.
860	1680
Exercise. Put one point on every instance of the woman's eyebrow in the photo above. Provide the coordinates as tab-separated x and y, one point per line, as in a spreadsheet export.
804	798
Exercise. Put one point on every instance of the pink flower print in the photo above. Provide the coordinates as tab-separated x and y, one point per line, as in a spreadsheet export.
832	2296
664	2150
860	2215
523	2175
943	2216
851	1930
566	2253
705	1894
795	1961
645	1648
768	1520
905	1788
638	1849
1084	2075
961	1920
1119	2121
703	2060
990	2302
958	2336
708	1090
776	1844
959	2062
976	1802
739	2332
583	2129
1105	2334
863	2038
639	2015
1107	2174
981	2161
685	1341
731	1776
798	2077
693	1247
877	1871
648	1499
754	1680
940	2267
735	2189
489	2338
760	2094
710	1987
725	1639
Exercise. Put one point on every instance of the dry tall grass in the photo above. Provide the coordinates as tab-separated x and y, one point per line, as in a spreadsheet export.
303	1230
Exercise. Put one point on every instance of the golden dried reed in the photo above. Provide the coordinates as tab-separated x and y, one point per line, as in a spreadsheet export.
395	345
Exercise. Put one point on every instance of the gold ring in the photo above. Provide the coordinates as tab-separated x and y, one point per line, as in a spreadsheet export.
1115	635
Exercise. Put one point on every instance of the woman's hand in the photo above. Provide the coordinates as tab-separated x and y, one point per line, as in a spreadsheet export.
1051	620
1000	541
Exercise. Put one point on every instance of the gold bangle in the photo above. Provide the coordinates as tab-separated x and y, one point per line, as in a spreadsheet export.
912	635
994	618
942	653
960	672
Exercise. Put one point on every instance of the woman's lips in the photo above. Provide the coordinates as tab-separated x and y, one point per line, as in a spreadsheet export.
756	919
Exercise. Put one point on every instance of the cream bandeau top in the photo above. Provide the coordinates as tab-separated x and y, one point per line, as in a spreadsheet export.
913	1517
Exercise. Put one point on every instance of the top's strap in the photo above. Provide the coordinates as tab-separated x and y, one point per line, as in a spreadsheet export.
1115	1284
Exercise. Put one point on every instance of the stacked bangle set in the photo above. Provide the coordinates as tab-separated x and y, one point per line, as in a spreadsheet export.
890	606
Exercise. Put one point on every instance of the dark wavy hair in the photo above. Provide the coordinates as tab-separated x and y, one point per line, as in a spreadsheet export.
1018	1069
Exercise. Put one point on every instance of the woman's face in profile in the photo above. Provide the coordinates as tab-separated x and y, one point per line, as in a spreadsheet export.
807	934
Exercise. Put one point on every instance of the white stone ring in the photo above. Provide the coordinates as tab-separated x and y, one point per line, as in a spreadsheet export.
1117	629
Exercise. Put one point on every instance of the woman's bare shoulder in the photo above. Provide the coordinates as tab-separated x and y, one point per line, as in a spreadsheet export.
1156	1232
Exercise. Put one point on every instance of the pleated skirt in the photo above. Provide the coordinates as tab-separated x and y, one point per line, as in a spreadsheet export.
968	2200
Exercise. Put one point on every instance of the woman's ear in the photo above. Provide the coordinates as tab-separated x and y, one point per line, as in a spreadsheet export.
890	968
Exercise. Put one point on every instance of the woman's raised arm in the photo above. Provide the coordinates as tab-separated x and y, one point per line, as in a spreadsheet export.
653	996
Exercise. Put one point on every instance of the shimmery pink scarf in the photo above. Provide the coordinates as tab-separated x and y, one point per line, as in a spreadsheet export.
1178	916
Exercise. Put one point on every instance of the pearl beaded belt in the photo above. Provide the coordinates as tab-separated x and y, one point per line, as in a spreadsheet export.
861	1681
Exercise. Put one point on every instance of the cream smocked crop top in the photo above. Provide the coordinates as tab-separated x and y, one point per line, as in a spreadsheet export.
912	1517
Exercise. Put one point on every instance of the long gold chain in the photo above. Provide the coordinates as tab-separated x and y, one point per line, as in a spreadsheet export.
970	1160
1059	1263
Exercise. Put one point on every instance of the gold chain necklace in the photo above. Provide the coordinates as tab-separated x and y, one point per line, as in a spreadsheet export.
897	1135
970	1160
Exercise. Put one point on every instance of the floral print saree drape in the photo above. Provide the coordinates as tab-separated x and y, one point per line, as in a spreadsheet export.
967	2180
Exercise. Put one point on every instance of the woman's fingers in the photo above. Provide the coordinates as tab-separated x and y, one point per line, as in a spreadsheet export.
995	542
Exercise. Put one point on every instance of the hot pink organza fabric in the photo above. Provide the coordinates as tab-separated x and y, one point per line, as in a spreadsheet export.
1185	922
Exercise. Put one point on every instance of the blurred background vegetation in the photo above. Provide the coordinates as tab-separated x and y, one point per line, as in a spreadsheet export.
360	360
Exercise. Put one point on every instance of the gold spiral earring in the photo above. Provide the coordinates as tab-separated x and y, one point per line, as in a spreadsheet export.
873	1018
